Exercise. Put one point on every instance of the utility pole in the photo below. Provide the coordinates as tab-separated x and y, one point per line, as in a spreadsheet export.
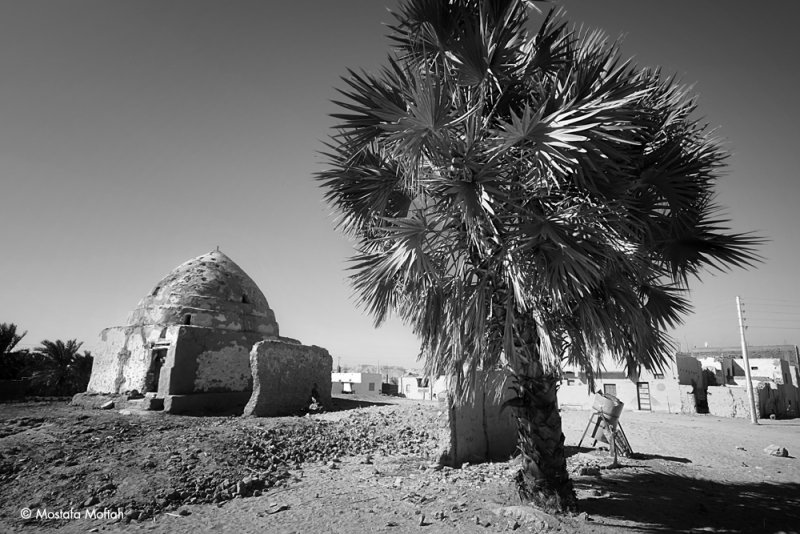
753	415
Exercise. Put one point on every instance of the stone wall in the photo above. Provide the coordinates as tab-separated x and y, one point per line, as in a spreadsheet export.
284	375
477	429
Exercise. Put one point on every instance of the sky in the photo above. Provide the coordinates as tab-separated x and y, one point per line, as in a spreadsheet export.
135	135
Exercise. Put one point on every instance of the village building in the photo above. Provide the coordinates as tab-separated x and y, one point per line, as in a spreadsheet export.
421	387
773	370
679	388
198	340
356	383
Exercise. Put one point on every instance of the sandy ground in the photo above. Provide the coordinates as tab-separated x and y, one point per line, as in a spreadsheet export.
691	474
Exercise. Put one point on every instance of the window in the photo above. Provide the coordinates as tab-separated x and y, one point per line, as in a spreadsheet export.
754	368
372	386
610	389
570	382
658	376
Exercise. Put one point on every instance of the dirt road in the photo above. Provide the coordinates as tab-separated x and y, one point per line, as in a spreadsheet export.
371	468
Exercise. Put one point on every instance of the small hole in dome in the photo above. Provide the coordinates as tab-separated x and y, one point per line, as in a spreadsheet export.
187	319
245	300
155	291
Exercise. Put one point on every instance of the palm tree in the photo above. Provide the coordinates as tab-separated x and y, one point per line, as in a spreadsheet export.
12	363
525	198
61	368
9	337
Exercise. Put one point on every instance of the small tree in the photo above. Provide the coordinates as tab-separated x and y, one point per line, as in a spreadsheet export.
528	199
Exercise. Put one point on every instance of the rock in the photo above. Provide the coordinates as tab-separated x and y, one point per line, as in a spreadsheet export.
775	450
107	405
589	470
91	501
528	515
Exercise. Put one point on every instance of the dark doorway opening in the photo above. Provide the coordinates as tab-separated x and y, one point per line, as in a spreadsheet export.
157	359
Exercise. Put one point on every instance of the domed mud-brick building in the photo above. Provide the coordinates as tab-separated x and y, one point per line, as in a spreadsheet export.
189	341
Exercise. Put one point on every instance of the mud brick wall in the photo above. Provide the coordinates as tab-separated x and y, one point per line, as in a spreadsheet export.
284	374
477	429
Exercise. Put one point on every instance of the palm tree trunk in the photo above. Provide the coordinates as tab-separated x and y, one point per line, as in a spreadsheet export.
543	478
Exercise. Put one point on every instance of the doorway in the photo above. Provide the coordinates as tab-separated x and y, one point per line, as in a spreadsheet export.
157	359
643	393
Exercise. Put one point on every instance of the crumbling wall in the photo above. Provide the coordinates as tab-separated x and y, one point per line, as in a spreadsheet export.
478	429
726	401
207	360
688	400
122	362
284	375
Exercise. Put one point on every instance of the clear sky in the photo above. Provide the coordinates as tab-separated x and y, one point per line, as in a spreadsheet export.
137	134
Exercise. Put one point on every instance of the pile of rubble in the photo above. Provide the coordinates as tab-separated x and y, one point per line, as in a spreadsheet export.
149	464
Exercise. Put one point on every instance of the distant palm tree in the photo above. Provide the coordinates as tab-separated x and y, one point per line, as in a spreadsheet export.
62	370
9	337
12	363
525	199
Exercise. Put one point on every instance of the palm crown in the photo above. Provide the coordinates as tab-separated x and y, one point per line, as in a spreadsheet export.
492	175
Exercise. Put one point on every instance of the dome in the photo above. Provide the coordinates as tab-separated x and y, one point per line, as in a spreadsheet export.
209	291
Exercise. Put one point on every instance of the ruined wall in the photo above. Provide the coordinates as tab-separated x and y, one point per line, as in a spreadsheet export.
688	400
283	376
206	360
477	430
123	359
689	370
771	398
729	402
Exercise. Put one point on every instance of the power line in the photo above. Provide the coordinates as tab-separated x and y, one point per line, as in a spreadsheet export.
775	302
773	327
781	312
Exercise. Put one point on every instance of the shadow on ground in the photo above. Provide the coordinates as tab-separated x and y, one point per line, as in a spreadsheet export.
667	502
572	450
